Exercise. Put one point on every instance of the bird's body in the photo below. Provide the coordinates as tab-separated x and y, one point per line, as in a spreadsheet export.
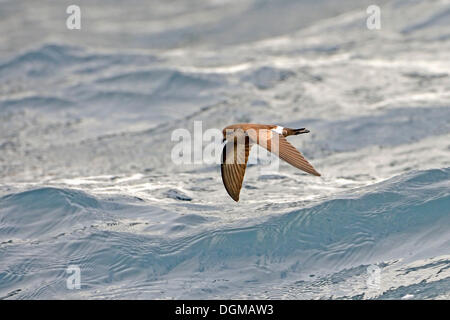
258	127
239	140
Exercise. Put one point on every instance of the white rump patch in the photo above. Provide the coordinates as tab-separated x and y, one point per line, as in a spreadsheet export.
278	130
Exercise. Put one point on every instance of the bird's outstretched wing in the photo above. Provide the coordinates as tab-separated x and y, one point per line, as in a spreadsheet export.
278	145
234	162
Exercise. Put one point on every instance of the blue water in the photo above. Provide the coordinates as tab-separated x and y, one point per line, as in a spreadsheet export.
87	180
405	217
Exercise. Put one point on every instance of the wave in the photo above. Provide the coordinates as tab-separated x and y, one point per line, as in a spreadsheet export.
36	102
43	60
401	218
377	223
44	211
166	91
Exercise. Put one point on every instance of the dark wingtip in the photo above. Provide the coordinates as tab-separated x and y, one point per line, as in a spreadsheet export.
232	196
316	173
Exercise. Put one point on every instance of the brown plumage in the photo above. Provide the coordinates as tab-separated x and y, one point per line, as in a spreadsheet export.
239	141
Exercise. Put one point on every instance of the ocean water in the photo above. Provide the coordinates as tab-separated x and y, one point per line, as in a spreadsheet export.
87	180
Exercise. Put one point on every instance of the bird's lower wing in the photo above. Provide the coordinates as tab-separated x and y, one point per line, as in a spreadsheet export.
278	145
234	162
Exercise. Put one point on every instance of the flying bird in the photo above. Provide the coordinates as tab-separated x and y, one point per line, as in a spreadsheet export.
238	140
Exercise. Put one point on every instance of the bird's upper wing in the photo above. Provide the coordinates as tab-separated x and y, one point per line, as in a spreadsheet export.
234	162
278	145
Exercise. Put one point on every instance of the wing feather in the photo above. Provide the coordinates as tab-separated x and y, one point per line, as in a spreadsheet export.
282	148
234	163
